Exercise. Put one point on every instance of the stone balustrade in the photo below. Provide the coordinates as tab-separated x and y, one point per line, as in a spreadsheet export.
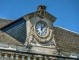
9	56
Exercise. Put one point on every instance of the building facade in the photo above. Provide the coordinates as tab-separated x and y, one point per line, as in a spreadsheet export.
33	37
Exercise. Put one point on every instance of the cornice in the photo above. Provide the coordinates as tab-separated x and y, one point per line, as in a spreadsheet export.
36	13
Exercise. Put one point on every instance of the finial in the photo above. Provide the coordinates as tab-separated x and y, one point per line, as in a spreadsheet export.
41	7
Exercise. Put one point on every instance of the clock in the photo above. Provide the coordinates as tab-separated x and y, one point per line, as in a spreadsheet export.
41	28
42	32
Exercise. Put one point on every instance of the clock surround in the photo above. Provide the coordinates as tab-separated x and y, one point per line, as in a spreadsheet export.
42	38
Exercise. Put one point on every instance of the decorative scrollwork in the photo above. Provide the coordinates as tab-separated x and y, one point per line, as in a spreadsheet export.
29	40
42	39
52	43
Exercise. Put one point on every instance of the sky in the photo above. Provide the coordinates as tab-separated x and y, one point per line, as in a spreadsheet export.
66	11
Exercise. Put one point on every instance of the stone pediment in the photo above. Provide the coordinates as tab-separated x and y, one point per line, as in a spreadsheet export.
36	13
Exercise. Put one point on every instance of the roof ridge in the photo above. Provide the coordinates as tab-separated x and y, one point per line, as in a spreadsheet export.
68	30
11	23
6	19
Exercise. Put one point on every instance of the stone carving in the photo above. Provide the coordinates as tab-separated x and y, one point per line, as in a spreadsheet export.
28	43
33	37
52	43
30	39
26	17
41	10
42	39
33	41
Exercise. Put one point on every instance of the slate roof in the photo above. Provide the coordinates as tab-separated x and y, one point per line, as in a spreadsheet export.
66	40
4	22
5	37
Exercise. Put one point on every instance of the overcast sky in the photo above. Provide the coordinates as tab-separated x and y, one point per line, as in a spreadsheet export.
66	11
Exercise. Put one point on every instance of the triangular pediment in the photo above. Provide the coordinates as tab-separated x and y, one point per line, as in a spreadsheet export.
41	12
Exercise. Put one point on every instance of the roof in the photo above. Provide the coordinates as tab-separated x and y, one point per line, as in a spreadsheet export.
66	40
5	38
4	22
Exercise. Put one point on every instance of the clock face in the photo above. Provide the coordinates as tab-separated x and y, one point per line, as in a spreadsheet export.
41	28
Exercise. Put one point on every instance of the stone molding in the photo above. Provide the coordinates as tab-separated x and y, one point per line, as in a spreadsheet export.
36	13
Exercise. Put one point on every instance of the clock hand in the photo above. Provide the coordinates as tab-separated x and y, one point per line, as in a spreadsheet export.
41	27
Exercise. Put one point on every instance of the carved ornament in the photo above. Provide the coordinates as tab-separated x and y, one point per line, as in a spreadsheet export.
42	39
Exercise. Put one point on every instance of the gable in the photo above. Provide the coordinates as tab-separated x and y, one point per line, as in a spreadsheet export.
17	30
36	19
36	13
